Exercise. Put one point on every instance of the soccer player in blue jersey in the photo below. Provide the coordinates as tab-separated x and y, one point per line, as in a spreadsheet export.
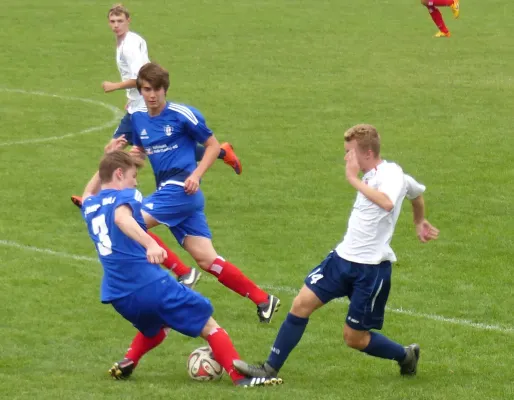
131	55
133	284
360	266
167	133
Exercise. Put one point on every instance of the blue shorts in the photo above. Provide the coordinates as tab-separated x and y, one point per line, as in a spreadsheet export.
124	128
182	213
367	287
165	303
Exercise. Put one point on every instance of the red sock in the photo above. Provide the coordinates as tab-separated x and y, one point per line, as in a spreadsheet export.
172	262
224	352
438	19
142	344
440	3
230	276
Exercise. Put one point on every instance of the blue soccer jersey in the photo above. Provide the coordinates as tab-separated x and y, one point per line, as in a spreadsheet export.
126	268
169	140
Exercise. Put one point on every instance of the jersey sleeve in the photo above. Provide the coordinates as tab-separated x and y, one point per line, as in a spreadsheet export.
414	188
392	183
136	55
130	197
136	140
196	126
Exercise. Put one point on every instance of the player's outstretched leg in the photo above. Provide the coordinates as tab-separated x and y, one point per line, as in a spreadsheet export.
202	250
138	348
225	353
227	154
288	336
233	278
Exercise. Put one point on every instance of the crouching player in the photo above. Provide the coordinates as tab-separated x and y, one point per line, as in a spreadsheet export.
133	282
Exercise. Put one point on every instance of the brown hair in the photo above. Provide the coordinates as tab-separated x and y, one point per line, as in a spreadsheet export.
155	75
367	137
110	162
118	9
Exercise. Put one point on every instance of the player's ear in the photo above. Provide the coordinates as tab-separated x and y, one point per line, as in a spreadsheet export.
118	173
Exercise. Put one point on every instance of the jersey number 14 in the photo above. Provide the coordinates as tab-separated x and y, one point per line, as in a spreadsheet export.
100	229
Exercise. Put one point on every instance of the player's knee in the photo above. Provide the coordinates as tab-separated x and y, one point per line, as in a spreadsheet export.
209	327
301	307
150	221
201	249
355	339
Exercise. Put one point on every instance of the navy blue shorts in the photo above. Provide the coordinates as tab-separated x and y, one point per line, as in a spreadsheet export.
165	303
367	287
182	213
124	128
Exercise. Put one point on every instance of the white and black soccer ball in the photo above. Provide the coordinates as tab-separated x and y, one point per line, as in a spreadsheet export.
202	366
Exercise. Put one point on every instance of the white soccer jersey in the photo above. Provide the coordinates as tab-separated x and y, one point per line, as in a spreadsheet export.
370	227
131	55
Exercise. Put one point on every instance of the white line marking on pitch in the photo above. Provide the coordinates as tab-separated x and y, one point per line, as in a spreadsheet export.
284	289
116	112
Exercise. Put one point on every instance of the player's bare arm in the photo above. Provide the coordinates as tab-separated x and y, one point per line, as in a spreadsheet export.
128	225
113	86
93	186
374	195
424	229
212	150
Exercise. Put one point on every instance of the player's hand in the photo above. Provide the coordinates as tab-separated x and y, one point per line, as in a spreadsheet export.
192	184
426	231
116	144
352	166
109	86
136	152
156	254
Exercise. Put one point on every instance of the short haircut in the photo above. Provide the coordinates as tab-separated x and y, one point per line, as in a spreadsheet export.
367	137
155	75
110	162
118	9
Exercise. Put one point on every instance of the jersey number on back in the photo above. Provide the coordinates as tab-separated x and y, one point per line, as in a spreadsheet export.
100	229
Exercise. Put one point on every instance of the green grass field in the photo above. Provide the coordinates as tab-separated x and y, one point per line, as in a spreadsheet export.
281	80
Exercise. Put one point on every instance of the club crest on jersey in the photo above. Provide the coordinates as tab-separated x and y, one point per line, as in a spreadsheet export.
168	130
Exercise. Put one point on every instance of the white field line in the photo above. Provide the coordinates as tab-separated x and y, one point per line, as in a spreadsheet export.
284	289
116	115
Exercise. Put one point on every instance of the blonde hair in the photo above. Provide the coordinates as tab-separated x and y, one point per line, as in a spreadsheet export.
367	137
110	162
118	9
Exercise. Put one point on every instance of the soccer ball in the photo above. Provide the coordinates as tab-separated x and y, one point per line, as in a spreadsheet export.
202	366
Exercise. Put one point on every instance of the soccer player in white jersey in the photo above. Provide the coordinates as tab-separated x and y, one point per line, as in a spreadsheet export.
360	266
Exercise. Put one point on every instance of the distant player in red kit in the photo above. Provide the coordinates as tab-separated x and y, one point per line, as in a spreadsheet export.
437	16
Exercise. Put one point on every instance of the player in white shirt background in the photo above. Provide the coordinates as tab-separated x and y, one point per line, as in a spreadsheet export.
360	266
131	55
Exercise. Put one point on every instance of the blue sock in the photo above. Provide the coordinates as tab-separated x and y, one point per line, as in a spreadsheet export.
288	337
200	151
381	346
